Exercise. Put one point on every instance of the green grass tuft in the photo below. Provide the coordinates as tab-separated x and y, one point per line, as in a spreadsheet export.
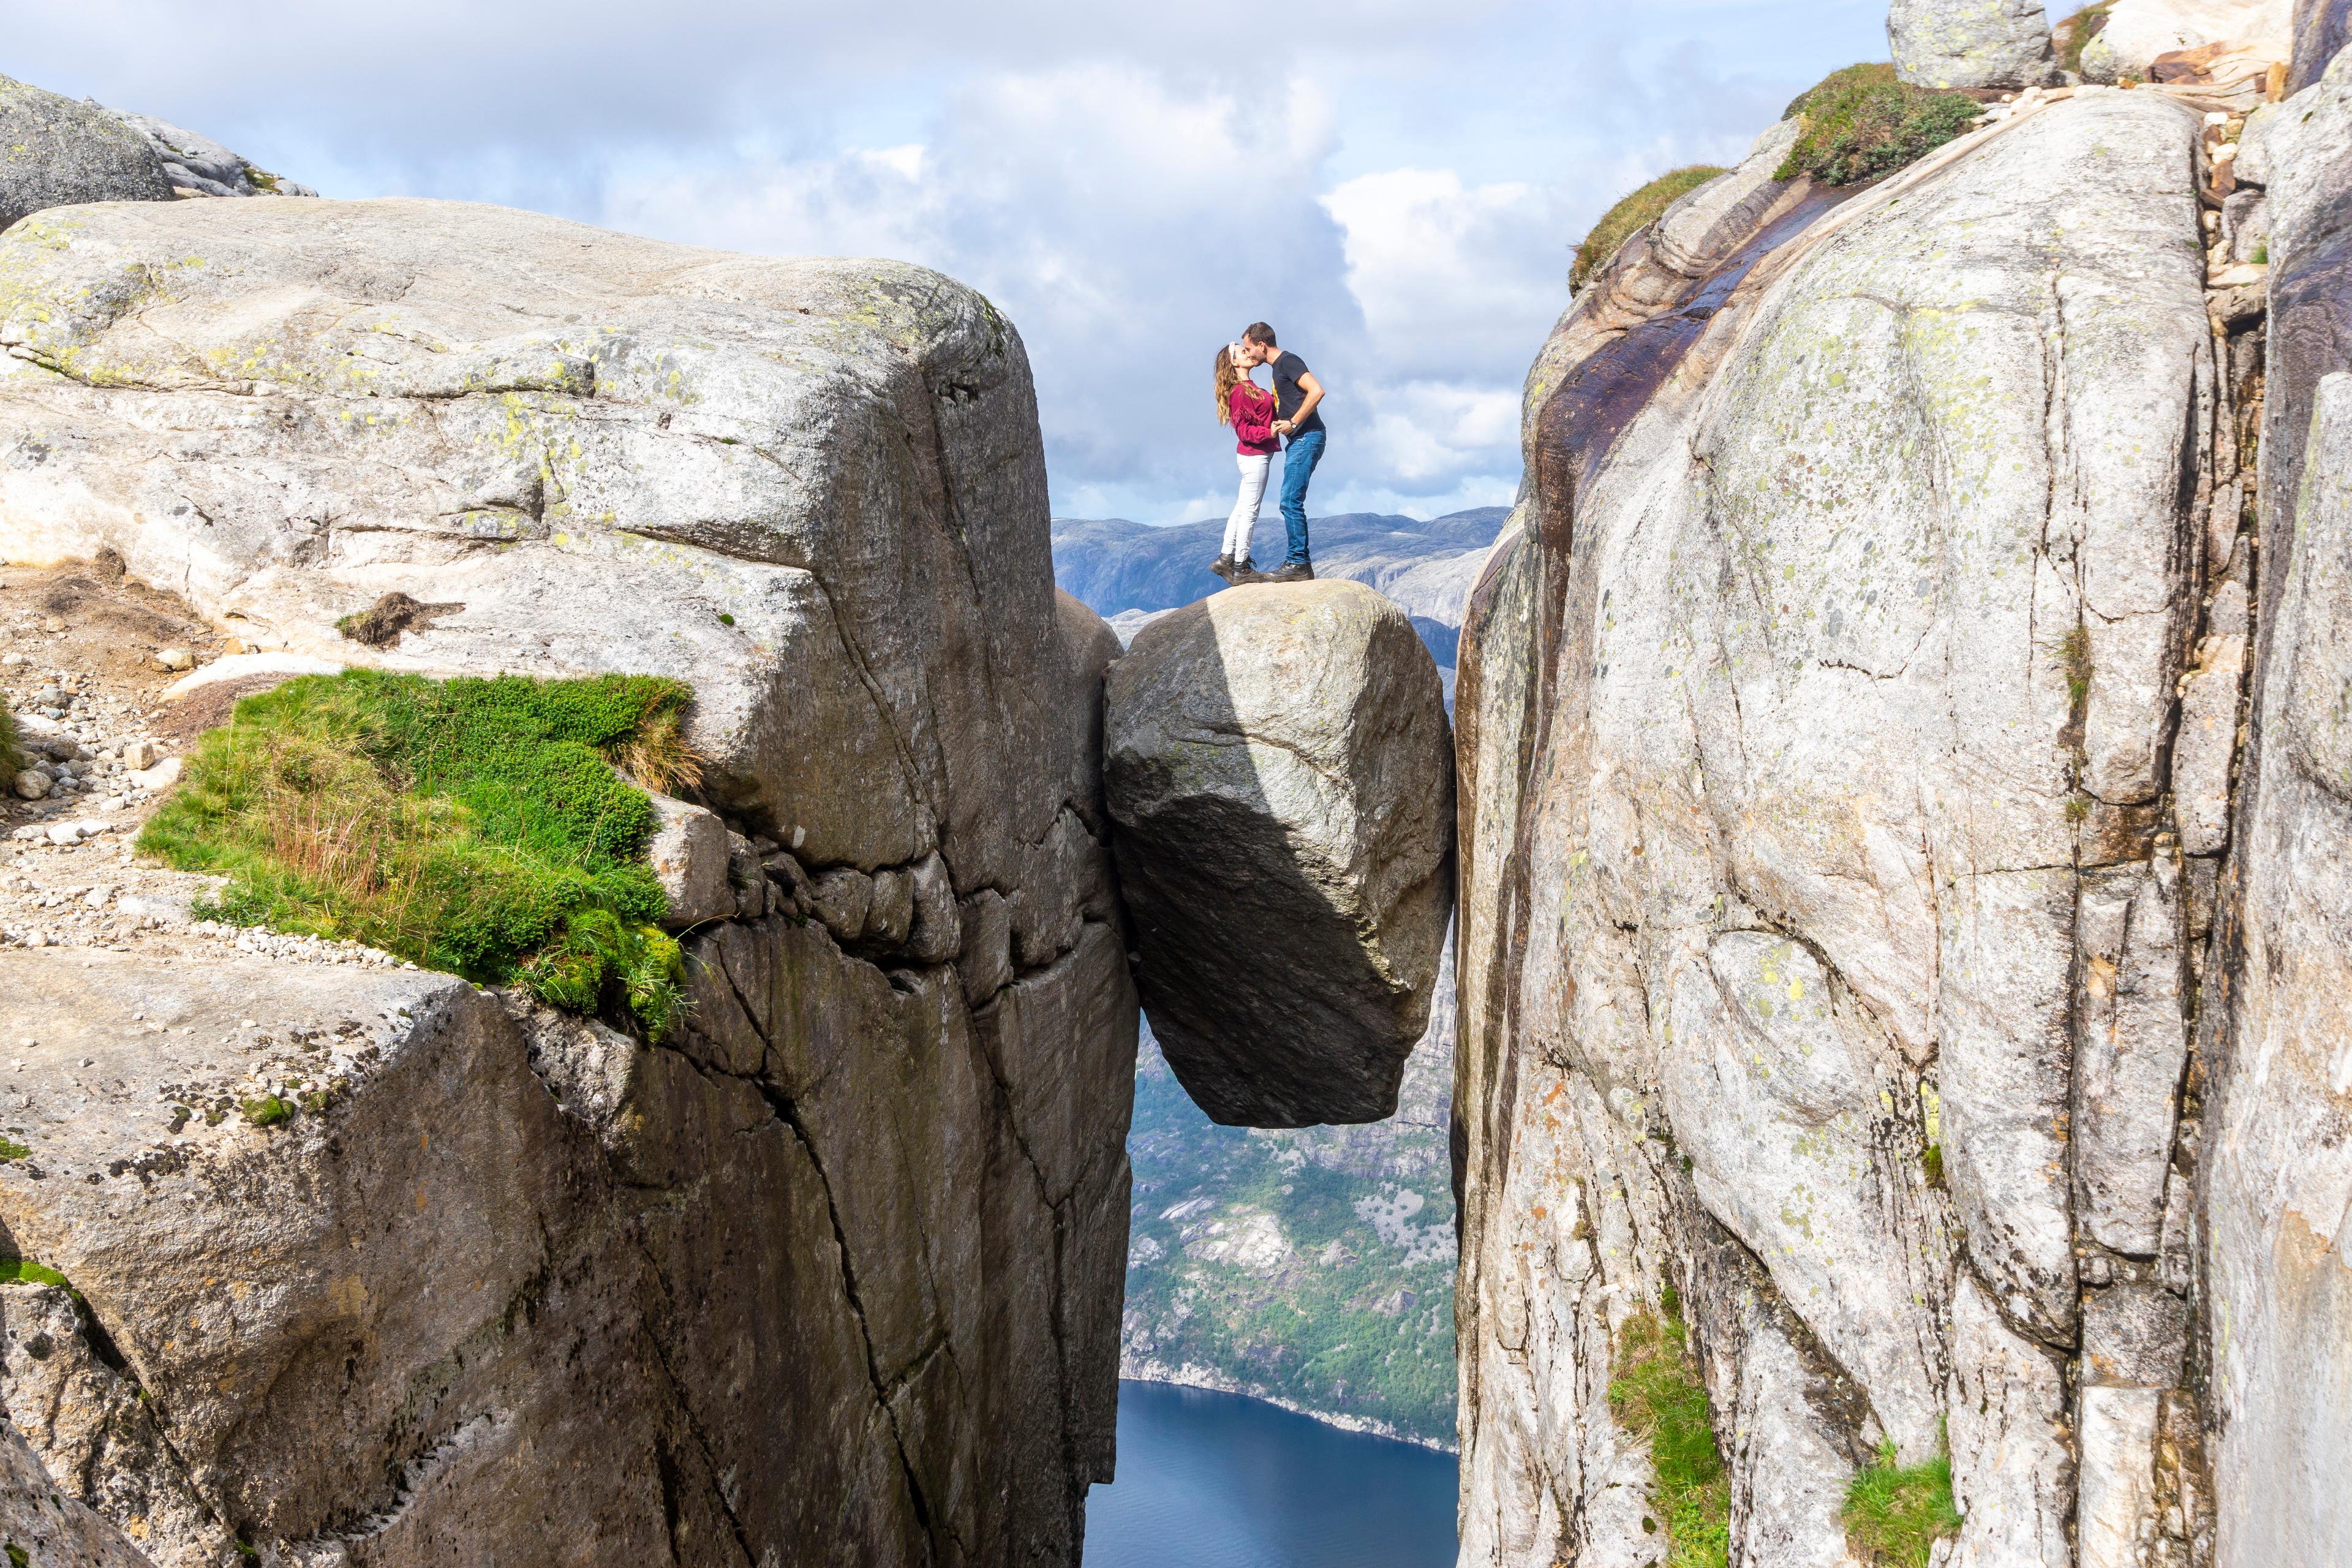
266	1111
11	759
1631	211
471	826
2074	658
1934	1162
1862	123
1895	1515
1657	1394
2077	31
23	1271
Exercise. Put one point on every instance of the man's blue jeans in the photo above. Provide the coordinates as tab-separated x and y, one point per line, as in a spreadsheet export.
1298	460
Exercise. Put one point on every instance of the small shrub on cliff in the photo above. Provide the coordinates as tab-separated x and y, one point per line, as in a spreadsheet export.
2074	652
1657	1394
1861	123
1894	1513
266	1111
1645	205
470	826
11	759
2069	36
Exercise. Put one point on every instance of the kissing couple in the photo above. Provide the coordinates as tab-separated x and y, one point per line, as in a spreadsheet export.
1261	421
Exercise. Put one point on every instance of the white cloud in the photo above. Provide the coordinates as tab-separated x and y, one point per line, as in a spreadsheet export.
1395	183
1130	229
1449	275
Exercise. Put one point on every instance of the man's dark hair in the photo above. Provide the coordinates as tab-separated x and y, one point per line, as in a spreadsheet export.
1259	332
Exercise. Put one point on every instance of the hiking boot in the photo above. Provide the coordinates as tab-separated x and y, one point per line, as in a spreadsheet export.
1224	567
1244	573
1296	572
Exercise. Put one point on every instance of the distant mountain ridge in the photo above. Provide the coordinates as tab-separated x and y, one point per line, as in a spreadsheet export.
1429	567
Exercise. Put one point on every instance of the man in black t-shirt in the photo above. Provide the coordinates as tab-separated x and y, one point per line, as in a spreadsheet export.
1299	419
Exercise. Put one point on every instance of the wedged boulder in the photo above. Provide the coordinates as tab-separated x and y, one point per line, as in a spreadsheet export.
55	152
1970	43
1280	777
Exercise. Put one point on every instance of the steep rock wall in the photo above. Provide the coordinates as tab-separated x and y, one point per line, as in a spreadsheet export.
2277	1191
1838	865
833	1274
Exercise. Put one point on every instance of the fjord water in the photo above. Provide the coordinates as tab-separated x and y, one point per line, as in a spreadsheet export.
1216	1480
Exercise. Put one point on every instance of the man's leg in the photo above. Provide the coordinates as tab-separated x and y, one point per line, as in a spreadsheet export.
1298	460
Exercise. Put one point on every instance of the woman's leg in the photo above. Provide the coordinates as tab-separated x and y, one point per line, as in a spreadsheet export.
1239	527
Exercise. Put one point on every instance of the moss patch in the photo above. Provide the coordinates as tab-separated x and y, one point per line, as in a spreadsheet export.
266	1111
1861	123
471	826
23	1271
1631	211
2071	35
1894	1513
1657	1394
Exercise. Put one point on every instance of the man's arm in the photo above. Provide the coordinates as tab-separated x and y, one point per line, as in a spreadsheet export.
1314	391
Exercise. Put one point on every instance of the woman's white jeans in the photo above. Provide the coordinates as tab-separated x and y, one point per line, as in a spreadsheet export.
1239	526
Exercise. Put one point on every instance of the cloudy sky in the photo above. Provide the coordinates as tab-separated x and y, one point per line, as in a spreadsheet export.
1394	183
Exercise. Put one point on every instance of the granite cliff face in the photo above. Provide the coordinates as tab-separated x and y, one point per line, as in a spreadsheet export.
1899	857
832	1275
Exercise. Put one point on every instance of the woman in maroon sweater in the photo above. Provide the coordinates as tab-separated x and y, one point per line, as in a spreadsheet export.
1249	409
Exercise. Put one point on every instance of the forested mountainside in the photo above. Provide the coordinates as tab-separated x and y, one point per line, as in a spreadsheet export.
1312	1268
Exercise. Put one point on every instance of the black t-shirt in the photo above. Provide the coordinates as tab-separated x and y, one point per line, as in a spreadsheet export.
1288	368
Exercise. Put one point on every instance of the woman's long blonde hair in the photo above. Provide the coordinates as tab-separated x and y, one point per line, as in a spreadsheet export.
1229	375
